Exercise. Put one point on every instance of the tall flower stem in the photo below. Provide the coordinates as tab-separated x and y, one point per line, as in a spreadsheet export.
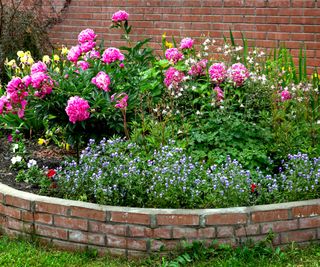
126	131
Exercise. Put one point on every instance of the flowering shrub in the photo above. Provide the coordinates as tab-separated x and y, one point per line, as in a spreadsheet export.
77	109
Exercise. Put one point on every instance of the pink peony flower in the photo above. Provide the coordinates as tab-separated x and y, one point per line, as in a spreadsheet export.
26	80
186	43
102	81
122	100
16	90
112	54
87	46
38	67
77	109
5	105
22	109
121	65
74	53
219	93
173	54
173	77
84	65
285	95
238	73
10	138
87	35
199	68
43	83
120	15
218	72
93	54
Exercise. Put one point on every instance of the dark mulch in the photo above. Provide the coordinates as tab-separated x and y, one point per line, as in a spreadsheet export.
48	156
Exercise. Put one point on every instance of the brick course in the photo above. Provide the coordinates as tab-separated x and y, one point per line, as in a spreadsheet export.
135	232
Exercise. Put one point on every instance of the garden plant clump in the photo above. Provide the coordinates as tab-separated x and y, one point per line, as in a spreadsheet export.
203	126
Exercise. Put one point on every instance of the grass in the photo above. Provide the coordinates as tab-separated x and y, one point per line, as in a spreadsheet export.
20	253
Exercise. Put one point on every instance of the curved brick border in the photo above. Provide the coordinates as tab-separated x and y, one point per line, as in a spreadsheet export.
136	231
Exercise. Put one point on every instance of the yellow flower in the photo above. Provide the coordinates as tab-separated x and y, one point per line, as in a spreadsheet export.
67	147
20	54
11	63
28	53
30	60
57	70
24	59
41	141
46	59
315	75
56	58
168	44
64	50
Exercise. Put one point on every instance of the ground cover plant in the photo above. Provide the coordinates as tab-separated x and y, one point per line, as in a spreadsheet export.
189	129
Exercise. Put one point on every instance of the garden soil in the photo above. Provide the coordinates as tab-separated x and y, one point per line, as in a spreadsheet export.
46	156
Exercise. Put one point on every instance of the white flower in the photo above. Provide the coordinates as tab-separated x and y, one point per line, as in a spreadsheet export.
238	58
31	163
205	48
318	121
16	159
15	147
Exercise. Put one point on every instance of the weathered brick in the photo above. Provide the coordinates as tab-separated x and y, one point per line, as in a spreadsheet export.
162	232
71	223
97	215
298	236
208	232
140	231
306	211
69	246
269	216
18	202
43	218
225	231
181	233
232	218
11	211
248	230
281	226
51	208
132	218
116	241
85	237
114	229
1	198
137	244
312	222
19	225
48	231
166	219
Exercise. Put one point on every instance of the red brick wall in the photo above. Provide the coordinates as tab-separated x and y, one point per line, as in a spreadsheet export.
136	232
266	23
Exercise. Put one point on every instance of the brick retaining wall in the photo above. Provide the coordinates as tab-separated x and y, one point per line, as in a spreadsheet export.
266	23
134	232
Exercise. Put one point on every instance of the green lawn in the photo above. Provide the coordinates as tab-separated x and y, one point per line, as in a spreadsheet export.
22	253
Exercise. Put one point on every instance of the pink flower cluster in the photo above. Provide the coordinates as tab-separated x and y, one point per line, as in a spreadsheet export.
102	81
173	54
218	73
93	54
77	109
38	67
122	100
198	68
86	40
219	93
17	91
84	65
112	54
186	43
120	15
5	105
74	53
238	73
42	82
285	95
173	77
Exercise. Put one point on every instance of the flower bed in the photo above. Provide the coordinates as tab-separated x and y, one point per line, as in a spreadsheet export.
136	232
193	129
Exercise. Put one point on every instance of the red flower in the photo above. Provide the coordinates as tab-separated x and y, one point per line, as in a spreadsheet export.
51	173
253	187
